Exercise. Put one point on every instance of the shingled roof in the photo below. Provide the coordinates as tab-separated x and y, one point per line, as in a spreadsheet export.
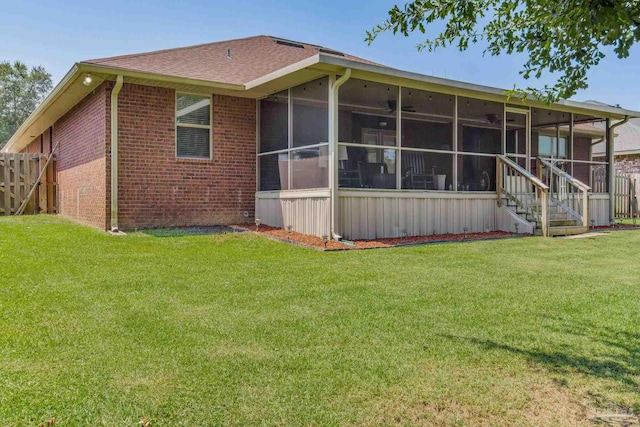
626	141
251	67
236	61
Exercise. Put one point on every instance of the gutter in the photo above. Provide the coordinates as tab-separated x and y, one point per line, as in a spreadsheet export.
158	77
612	169
454	87
333	150
114	153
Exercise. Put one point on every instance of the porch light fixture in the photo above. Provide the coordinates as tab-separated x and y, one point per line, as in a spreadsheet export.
382	124
325	240
87	80
258	221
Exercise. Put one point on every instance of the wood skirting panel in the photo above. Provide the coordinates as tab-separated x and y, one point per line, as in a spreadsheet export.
306	211
371	215
599	209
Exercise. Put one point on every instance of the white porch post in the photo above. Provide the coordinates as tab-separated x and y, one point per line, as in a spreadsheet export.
611	171
333	151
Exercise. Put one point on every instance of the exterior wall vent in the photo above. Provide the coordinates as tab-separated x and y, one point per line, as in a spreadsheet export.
289	43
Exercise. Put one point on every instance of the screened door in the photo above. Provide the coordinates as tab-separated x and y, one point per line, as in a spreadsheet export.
517	136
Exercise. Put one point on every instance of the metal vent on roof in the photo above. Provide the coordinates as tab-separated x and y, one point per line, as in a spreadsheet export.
330	52
288	43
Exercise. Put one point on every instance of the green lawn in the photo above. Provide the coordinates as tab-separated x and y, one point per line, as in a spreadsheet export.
240	330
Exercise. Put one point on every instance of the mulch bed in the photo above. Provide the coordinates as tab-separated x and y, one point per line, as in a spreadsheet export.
316	242
616	227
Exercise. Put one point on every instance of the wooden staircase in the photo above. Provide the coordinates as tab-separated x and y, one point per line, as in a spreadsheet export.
554	203
560	222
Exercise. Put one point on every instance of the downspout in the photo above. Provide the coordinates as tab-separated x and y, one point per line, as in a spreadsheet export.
114	153
612	170
333	151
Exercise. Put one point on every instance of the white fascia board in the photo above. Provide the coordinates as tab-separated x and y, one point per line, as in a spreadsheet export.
626	152
568	105
115	71
308	62
67	80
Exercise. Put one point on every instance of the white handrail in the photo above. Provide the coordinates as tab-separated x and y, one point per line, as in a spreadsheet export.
565	175
576	203
534	179
531	199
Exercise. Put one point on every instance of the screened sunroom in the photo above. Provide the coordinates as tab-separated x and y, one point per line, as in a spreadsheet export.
358	158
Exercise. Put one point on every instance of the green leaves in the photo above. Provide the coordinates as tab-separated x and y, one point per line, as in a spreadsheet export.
561	36
21	90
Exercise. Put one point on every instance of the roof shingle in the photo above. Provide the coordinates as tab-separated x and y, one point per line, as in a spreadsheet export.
248	59
627	139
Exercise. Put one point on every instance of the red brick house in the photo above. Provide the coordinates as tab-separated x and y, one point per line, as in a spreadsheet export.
298	134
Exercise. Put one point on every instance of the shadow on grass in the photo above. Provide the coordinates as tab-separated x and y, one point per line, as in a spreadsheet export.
614	355
188	231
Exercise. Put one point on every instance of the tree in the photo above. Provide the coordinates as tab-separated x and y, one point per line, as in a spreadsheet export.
567	37
21	90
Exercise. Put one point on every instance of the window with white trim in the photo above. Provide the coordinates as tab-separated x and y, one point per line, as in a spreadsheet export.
193	126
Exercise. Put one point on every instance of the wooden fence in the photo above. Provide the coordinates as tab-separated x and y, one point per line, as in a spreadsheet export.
626	195
18	175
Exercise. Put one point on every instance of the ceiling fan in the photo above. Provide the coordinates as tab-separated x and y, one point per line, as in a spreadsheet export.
393	106
493	118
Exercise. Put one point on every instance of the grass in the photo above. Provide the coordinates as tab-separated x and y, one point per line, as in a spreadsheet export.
236	329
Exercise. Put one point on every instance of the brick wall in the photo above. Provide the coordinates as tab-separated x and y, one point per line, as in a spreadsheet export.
80	166
34	146
40	144
628	164
80	159
158	190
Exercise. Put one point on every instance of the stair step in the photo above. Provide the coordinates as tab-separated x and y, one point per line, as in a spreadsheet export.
553	217
562	222
552	209
567	230
562	231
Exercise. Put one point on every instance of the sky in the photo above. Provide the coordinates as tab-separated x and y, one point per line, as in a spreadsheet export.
56	34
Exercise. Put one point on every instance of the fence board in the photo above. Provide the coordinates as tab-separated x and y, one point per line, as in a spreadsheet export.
6	183
626	189
18	175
